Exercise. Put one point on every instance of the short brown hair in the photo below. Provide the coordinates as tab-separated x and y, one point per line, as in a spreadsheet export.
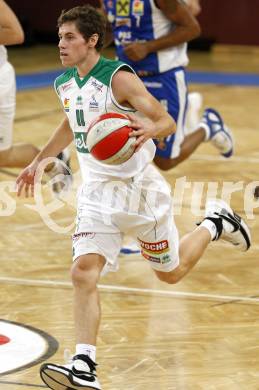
88	21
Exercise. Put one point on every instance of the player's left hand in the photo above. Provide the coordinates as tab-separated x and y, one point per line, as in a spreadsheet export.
135	51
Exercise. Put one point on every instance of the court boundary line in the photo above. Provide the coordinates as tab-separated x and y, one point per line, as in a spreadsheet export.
3	382
209	157
136	290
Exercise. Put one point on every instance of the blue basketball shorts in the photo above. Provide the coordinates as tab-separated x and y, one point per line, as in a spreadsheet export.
170	88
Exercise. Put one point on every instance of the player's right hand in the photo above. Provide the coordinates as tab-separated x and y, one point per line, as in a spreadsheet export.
25	180
136	51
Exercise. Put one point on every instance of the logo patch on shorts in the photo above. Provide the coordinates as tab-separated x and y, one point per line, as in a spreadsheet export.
76	236
156	252
155	247
150	258
165	259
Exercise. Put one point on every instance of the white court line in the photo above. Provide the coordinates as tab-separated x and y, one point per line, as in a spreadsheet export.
209	157
148	291
40	224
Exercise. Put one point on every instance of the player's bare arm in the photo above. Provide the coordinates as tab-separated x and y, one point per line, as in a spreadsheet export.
61	138
187	28
194	6
159	123
108	33
11	31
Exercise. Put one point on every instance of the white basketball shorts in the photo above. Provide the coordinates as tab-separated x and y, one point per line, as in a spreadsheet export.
7	105
140	207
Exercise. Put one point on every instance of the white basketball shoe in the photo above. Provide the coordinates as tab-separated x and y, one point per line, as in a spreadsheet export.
217	132
230	226
79	374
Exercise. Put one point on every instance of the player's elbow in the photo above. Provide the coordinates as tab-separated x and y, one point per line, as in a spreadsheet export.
19	37
16	36
195	30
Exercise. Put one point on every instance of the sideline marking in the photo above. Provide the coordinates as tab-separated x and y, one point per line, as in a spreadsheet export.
209	157
111	288
22	384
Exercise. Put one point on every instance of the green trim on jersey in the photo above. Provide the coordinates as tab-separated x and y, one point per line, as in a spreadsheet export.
63	78
102	71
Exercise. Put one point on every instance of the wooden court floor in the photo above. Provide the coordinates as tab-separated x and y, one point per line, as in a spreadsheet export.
200	334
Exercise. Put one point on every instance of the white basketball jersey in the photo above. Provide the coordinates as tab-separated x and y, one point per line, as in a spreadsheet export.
3	55
84	100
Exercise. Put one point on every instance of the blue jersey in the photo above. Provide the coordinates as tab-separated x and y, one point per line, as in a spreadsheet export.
142	20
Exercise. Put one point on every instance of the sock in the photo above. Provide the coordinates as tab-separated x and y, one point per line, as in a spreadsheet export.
206	129
211	227
86	349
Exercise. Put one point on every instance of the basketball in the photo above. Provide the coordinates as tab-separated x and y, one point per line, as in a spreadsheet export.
108	138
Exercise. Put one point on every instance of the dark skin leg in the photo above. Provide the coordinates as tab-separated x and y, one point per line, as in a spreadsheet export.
189	145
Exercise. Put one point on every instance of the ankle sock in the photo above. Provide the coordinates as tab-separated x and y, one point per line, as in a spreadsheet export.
214	226
86	349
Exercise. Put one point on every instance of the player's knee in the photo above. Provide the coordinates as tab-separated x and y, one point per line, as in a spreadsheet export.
172	277
85	272
163	163
4	154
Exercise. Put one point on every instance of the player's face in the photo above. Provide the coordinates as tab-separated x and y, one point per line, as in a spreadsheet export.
73	47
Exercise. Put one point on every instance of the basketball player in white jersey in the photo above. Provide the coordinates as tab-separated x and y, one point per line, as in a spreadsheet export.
92	86
21	154
151	36
11	33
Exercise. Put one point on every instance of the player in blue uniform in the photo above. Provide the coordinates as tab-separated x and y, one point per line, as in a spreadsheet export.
152	36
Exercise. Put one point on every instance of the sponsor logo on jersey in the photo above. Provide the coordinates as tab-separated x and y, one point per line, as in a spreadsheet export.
124	37
93	104
65	87
110	17
123	7
110	4
155	247
123	22
97	85
80	142
138	8
66	104
79	101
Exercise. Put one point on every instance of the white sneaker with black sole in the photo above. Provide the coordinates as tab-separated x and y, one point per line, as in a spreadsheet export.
230	226
79	374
